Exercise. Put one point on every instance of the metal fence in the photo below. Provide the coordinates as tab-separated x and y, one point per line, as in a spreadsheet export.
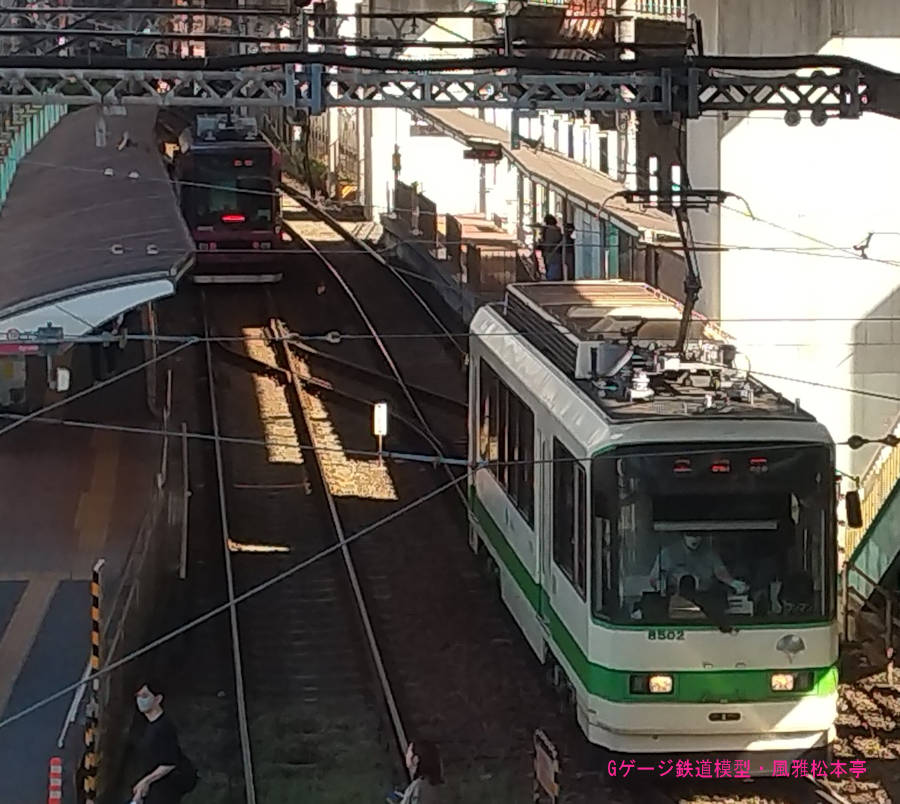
127	609
662	9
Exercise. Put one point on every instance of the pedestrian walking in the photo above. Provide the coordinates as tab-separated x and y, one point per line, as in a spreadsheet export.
103	355
168	773
550	246
569	252
424	763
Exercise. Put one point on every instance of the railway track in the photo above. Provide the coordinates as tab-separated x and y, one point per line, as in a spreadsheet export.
399	634
310	722
461	673
430	360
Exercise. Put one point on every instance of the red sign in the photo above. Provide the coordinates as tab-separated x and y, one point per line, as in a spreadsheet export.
19	348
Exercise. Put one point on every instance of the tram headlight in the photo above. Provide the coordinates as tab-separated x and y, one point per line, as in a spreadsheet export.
782	682
802	681
658	683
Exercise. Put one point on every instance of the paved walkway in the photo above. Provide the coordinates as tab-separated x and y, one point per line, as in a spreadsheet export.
69	496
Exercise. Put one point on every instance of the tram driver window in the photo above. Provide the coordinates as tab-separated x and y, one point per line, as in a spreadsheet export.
747	547
570	517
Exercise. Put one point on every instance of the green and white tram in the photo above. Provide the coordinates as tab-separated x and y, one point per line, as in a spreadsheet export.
663	525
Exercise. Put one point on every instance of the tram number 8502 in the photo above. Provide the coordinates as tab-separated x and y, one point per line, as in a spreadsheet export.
663	633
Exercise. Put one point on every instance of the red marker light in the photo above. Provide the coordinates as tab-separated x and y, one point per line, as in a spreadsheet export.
248	163
237	162
681	466
759	465
233	218
721	467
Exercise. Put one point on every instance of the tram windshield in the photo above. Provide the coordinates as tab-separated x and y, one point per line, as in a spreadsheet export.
695	534
236	190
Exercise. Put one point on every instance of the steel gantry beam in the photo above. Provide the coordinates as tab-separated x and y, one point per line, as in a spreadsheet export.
313	87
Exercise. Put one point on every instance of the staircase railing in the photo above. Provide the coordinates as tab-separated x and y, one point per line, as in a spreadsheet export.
877	484
852	603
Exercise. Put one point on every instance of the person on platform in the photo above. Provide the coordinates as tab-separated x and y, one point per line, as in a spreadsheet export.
550	247
569	252
168	774
424	763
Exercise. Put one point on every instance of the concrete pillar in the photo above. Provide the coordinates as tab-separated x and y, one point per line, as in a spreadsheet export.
628	122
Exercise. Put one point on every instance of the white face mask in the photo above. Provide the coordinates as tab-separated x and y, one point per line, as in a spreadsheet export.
145	702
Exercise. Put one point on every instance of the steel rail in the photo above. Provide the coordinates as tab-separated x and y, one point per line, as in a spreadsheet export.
385	352
320	355
280	331
243	726
395	370
335	226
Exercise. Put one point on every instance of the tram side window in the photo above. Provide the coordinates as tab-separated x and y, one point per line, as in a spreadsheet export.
569	516
506	438
604	594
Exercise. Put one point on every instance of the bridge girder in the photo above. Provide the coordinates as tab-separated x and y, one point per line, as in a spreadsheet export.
690	92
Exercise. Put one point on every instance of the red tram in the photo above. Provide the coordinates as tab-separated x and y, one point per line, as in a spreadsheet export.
228	174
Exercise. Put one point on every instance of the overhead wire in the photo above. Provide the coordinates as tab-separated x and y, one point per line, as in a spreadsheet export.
387	455
252	592
679	155
335	337
404	66
823	246
27	417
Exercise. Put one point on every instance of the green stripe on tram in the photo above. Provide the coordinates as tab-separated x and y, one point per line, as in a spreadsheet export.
689	686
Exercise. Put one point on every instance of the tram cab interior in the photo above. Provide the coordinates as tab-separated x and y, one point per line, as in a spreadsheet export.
757	550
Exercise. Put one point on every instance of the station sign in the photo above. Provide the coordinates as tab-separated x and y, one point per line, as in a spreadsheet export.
17	343
19	348
484	152
14	342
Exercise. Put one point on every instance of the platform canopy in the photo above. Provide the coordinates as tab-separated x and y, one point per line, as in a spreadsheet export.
91	227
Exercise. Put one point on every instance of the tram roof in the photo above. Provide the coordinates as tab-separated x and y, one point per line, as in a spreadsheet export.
555	316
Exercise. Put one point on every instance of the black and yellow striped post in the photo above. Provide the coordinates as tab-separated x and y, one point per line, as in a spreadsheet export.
92	719
546	768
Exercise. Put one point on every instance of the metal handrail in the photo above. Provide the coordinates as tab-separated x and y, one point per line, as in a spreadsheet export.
877	485
890	600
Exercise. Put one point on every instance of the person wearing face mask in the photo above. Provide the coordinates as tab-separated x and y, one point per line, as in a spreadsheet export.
424	764
169	773
690	556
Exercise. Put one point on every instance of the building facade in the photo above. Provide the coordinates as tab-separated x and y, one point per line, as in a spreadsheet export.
568	165
788	283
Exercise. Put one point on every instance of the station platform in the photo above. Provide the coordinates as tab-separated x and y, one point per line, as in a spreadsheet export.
566	177
71	494
89	229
